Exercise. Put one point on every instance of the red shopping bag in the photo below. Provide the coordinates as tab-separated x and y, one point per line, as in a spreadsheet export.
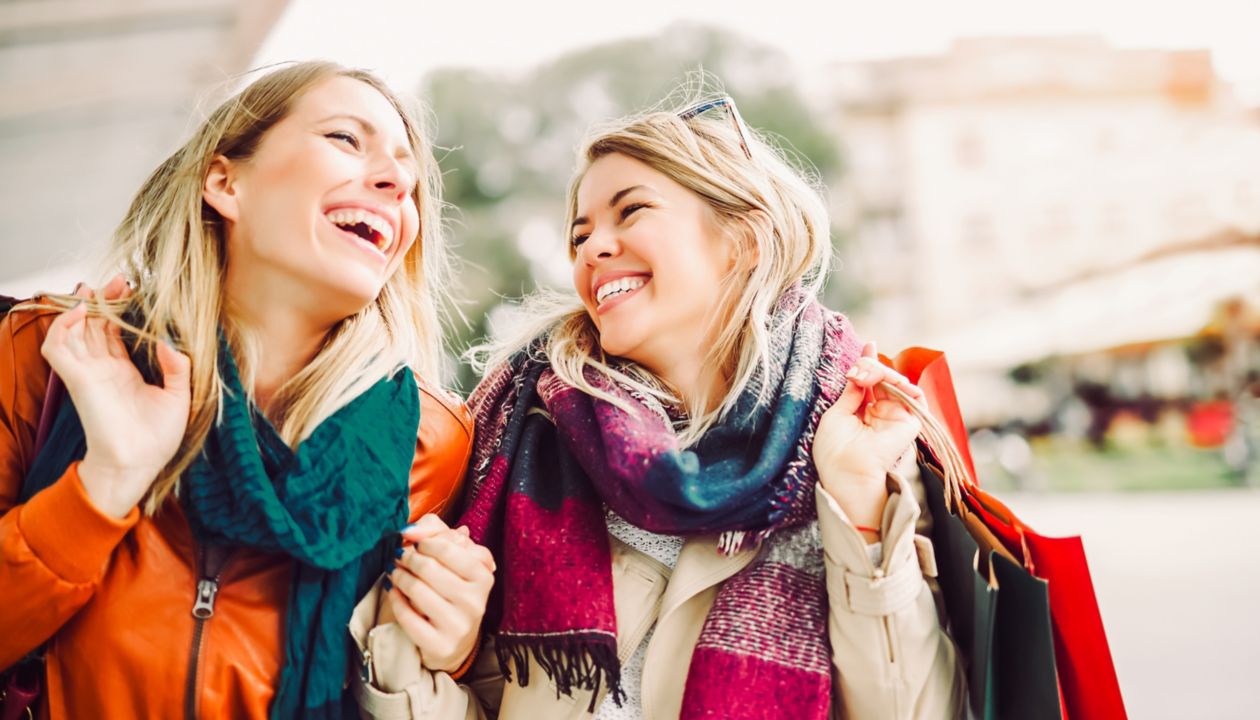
1087	674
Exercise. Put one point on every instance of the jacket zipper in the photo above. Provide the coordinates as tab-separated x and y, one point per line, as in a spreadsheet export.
210	562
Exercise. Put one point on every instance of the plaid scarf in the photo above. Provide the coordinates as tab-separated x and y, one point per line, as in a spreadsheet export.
539	485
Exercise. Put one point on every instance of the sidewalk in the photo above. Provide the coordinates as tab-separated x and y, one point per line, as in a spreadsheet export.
1178	582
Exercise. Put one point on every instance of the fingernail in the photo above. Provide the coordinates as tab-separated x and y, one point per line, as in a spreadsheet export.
390	569
399	553
852	372
387	584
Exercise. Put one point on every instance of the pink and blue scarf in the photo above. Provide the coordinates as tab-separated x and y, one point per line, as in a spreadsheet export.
549	458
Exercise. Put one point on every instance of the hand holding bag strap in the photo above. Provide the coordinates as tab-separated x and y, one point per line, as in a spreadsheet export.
954	472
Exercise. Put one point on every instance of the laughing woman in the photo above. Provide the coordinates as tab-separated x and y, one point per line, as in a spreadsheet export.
687	474
244	433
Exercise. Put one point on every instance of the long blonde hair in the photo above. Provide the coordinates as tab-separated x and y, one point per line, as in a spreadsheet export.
171	247
770	208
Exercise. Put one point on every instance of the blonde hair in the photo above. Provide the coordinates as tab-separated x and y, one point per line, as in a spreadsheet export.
171	247
770	209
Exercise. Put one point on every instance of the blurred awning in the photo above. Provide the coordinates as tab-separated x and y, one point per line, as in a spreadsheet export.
1170	297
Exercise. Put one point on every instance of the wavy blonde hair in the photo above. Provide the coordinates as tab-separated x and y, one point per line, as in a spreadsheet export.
171	246
770	206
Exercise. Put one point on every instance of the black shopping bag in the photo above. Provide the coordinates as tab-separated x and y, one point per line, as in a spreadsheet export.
998	614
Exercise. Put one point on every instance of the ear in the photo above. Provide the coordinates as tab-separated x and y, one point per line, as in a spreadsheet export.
219	189
756	222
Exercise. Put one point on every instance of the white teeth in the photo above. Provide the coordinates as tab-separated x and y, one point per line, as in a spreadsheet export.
620	286
354	216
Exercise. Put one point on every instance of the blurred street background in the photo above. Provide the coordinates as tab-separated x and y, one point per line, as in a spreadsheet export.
1065	198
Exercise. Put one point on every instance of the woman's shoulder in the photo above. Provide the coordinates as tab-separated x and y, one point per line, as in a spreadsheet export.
449	408
443	447
25	323
22	332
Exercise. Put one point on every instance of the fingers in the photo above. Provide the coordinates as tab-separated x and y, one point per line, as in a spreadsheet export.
429	569
851	399
427	526
457	553
176	374
437	610
114	342
892	415
869	372
96	336
116	289
63	345
415	625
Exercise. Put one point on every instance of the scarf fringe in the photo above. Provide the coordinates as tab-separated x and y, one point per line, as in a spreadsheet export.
578	660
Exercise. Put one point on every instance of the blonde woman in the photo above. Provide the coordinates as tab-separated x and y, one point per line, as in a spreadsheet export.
245	432
685	473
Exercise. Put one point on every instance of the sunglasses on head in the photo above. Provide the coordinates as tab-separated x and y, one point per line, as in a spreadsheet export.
731	111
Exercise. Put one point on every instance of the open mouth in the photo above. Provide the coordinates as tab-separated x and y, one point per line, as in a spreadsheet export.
612	292
369	227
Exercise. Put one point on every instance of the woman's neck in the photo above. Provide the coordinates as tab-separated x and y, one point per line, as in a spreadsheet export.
692	379
285	338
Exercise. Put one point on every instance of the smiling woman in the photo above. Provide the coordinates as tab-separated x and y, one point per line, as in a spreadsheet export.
688	473
252	416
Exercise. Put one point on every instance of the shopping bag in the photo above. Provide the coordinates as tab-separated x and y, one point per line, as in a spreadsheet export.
1086	672
999	615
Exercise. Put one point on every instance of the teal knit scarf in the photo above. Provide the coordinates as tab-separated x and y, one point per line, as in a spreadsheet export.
334	504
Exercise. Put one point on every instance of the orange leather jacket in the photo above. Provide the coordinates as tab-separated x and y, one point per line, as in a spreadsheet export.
116	596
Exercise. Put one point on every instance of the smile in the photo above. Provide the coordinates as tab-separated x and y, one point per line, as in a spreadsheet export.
611	293
364	225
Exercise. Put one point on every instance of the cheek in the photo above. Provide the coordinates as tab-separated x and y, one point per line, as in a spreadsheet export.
581	279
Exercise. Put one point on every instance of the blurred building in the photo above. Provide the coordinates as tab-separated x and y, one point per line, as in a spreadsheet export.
93	94
1000	196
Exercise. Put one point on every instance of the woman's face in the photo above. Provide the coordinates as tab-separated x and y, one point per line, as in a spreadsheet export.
324	211
649	260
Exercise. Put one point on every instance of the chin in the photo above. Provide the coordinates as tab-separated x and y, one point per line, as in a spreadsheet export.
619	346
349	299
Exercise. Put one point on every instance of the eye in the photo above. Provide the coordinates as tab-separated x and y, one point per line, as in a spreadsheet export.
579	239
630	209
346	137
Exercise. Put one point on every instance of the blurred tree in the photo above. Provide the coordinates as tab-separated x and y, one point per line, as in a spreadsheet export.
506	147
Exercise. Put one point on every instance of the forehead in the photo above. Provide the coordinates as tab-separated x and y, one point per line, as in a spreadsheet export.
612	173
344	95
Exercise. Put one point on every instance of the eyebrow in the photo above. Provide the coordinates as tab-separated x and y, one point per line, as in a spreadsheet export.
616	198
370	129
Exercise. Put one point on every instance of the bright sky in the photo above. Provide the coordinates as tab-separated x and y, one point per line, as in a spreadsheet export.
402	39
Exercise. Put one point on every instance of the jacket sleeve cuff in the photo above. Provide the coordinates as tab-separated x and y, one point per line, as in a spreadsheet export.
855	582
68	533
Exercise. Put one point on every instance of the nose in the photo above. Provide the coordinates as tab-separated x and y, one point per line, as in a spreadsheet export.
391	177
601	245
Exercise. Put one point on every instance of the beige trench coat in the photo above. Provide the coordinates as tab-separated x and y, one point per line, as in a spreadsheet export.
890	656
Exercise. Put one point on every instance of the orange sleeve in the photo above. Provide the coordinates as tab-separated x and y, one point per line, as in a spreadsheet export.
54	549
443	448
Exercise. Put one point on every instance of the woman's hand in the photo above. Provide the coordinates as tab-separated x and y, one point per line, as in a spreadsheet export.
439	590
861	437
133	429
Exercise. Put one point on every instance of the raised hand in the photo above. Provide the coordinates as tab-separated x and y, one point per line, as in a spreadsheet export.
133	429
438	591
861	437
